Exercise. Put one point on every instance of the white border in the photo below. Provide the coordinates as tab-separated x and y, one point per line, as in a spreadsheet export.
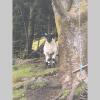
93	49
5	50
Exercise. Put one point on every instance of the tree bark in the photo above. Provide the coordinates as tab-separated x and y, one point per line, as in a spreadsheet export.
29	29
29	40
72	42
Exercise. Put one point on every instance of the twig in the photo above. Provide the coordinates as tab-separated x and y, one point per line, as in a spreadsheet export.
77	70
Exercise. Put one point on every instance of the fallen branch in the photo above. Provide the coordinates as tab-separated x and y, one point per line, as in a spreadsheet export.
77	70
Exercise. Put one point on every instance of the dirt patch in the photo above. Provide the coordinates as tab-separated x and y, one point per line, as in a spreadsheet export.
45	93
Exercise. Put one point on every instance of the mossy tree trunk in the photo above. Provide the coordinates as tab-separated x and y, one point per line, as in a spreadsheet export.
72	42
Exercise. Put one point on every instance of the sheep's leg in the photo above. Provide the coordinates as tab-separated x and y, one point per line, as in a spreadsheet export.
54	59
47	60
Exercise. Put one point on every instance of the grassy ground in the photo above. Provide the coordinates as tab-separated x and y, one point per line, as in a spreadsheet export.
22	73
80	89
28	71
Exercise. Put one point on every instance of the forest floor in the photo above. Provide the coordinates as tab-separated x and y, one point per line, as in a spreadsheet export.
33	81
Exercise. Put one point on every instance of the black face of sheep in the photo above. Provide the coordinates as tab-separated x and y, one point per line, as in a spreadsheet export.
49	37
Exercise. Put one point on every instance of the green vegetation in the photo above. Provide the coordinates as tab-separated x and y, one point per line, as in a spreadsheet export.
80	89
19	74
21	71
29	71
23	98
37	85
18	93
64	94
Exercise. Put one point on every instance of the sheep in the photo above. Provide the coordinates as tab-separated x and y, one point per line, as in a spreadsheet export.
50	49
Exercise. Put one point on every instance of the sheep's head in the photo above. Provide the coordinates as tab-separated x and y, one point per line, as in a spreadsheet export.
49	37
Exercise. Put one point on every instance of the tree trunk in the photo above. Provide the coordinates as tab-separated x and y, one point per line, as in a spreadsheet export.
29	29
72	42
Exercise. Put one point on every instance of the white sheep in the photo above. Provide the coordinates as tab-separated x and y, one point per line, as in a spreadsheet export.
50	49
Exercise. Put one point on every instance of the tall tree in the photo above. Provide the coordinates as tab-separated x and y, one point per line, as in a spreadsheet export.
71	23
31	5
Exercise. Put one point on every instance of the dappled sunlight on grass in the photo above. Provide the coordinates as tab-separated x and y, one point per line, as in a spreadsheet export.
18	93
28	71
37	85
19	74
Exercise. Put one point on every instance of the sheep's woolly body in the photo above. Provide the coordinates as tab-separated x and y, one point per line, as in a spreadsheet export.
50	48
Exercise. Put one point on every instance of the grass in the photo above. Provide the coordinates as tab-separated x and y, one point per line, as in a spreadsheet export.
21	66
29	71
64	94
45	72
21	73
37	85
80	89
18	93
23	98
